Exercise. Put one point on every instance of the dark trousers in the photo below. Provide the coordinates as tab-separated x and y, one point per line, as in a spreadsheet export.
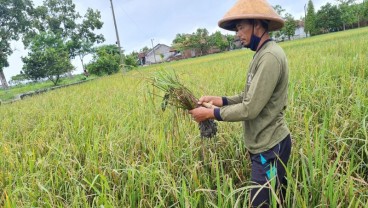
268	166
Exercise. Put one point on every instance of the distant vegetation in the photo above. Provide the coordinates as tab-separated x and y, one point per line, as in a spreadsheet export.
345	14
24	86
106	60
55	33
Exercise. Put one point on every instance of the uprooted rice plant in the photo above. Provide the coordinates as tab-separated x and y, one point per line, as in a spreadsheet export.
177	95
108	143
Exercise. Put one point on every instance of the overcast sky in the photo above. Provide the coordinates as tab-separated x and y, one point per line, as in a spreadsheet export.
139	21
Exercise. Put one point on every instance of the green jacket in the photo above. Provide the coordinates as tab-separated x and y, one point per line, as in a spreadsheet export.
262	104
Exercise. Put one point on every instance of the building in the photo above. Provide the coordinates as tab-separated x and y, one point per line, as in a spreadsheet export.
142	58
299	33
159	53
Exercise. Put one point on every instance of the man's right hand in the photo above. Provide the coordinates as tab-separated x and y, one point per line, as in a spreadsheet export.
214	100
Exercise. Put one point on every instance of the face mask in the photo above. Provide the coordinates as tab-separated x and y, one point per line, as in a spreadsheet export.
254	41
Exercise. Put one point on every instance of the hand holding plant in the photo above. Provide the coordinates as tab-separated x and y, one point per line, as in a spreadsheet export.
179	96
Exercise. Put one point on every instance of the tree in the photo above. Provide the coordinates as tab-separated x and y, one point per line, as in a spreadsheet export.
17	79
365	9
230	41
310	20
290	25
348	16
106	60
358	10
199	40
181	42
48	58
83	39
279	10
131	60
14	15
86	47
218	40
329	18
61	18
145	49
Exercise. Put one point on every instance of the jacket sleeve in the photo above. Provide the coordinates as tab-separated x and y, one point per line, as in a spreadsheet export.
260	91
231	100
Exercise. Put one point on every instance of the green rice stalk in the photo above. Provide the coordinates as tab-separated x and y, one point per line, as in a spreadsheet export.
176	94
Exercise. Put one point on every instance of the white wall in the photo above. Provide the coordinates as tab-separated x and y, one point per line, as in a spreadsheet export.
161	49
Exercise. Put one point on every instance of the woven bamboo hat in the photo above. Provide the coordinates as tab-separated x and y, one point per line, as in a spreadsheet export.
251	9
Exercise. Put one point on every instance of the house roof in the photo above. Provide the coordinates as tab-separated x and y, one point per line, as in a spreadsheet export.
300	23
156	47
141	55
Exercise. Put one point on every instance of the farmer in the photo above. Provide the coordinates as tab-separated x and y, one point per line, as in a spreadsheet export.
261	106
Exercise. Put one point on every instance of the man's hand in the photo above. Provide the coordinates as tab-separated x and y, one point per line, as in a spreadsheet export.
201	114
209	105
213	100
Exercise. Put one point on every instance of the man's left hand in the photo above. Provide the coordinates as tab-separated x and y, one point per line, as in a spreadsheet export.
201	114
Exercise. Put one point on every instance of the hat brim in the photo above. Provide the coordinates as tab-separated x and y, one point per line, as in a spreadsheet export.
229	23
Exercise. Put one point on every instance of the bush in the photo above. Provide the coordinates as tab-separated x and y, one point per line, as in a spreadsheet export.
107	64
131	62
105	61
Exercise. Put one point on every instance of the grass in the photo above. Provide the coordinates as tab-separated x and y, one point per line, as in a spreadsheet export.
12	92
108	143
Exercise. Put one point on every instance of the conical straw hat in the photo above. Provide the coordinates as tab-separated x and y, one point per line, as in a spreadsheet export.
251	9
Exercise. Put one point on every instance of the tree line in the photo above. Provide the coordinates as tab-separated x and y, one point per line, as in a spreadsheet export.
201	41
346	14
55	33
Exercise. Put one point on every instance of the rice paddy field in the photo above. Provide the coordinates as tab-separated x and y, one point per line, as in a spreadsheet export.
107	143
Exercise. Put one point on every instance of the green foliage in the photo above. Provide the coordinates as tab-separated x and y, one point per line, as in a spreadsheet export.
218	40
279	10
181	42
348	12
131	61
56	16
17	79
358	12
60	17
198	40
83	39
106	60
310	22
365	9
145	49
201	41
329	18
290	25
230	40
13	91
14	16
48	58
